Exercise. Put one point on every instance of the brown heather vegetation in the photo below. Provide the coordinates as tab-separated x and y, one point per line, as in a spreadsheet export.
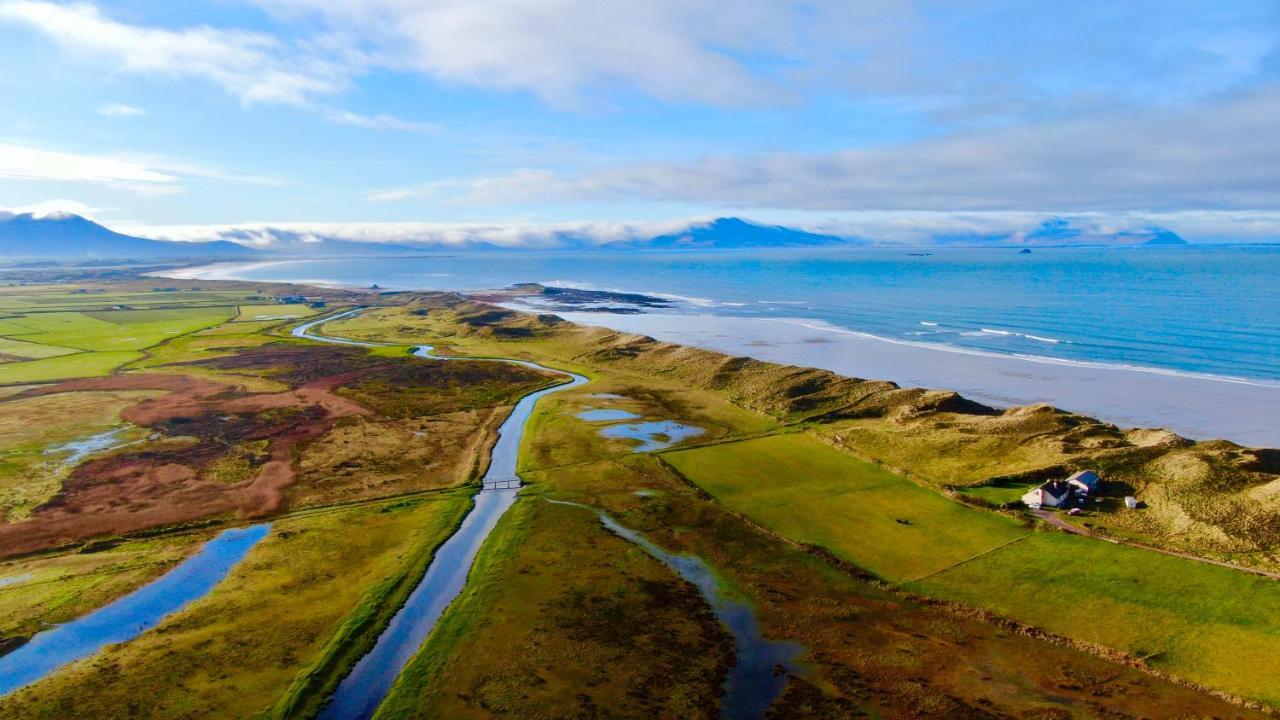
220	450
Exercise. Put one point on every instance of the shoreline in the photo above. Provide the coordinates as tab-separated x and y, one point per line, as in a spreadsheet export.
1199	406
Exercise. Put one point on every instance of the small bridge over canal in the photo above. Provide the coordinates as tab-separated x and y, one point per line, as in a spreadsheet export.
508	483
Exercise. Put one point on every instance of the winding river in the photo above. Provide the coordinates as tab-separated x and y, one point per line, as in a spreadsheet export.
750	687
131	615
362	691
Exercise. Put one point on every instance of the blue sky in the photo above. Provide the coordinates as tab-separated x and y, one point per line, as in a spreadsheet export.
882	118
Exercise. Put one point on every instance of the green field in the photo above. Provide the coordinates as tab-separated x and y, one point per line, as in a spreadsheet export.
84	364
817	495
112	330
44	343
1209	624
31	351
250	313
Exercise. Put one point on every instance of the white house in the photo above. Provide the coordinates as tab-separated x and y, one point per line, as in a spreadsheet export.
1131	502
1051	494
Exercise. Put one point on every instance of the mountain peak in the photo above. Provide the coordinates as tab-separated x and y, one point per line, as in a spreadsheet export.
66	236
729	233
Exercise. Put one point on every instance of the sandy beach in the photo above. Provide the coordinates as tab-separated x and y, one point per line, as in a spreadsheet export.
1198	407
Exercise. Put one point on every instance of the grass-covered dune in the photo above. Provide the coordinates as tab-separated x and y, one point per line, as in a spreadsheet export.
1212	498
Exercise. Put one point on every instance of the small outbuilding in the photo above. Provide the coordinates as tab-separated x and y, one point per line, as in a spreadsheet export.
1131	502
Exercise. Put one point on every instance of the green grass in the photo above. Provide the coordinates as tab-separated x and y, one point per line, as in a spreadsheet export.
1209	624
112	330
234	652
250	313
560	618
41	591
85	364
30	427
815	494
999	493
32	351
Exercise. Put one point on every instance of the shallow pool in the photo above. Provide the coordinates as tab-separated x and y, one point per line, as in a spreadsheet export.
654	435
605	415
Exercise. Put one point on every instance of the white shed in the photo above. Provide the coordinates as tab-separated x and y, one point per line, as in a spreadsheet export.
1131	502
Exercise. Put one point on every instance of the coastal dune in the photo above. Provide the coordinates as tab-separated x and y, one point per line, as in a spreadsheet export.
1195	406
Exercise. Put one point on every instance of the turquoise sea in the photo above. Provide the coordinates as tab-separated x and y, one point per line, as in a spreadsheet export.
1198	310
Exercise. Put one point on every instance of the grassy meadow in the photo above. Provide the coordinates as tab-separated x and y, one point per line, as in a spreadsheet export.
32	430
1209	624
871	517
52	333
1191	619
560	618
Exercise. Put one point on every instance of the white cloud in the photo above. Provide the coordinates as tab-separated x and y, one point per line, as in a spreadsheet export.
254	67
510	235
120	110
880	227
381	122
25	163
672	50
921	227
140	175
1214	156
54	207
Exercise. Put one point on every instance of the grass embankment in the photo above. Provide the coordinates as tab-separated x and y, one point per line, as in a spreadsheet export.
560	618
1208	624
40	591
303	599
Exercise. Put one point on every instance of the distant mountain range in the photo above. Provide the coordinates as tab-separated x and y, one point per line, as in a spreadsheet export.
1061	232
71	237
734	234
63	236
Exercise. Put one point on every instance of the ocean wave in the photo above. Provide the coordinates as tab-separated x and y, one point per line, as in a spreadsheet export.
928	324
824	326
986	332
